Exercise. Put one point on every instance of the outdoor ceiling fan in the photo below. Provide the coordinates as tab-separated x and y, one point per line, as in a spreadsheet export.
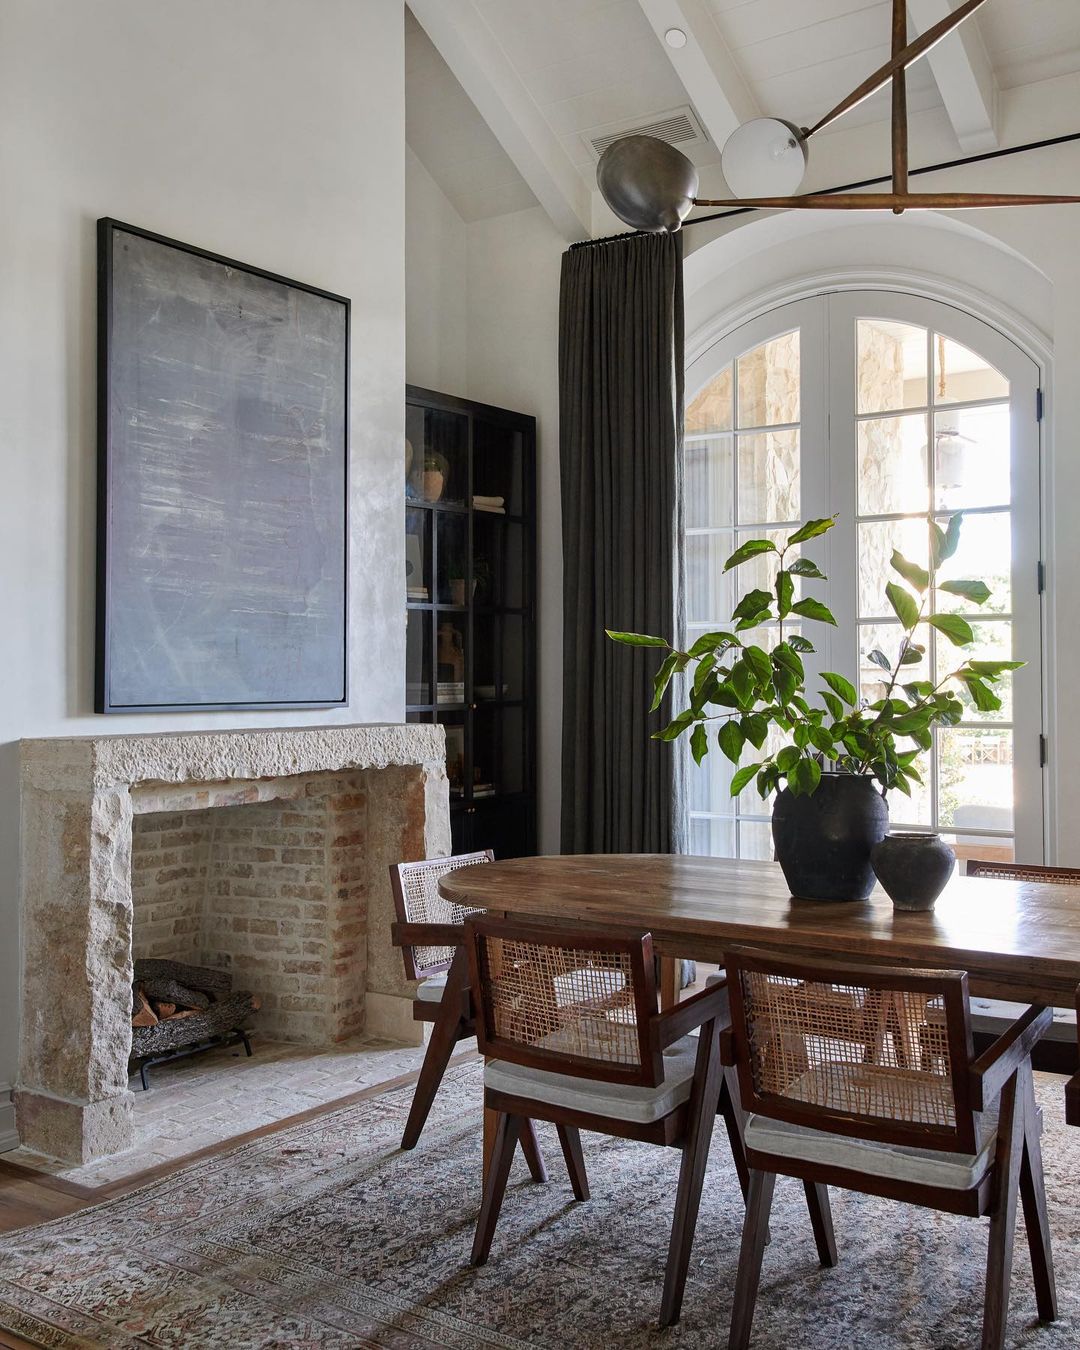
652	186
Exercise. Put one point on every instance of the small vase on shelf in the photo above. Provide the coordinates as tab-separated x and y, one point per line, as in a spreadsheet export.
913	868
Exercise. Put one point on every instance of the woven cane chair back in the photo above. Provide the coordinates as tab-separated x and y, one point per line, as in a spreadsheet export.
1062	876
417	900
844	1048
561	999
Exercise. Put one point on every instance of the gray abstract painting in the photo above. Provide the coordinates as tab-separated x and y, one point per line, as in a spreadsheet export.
223	429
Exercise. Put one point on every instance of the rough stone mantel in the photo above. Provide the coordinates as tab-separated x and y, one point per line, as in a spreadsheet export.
79	795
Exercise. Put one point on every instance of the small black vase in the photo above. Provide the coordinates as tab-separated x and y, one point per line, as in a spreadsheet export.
913	868
823	842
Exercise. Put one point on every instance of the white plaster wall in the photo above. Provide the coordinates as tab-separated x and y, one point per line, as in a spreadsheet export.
436	262
513	326
267	130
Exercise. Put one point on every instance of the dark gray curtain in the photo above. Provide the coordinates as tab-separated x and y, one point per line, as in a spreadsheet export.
620	436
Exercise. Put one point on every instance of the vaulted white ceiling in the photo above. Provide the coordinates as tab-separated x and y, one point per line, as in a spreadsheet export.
548	73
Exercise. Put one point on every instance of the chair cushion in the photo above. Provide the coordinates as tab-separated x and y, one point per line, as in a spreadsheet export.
900	1162
432	989
641	1105
993	1017
711	981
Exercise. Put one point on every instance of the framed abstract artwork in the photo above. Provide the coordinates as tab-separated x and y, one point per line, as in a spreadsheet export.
223	440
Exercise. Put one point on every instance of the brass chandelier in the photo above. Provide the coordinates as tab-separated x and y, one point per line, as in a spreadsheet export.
652	186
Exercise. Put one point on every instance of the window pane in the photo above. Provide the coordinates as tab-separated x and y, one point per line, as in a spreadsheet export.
891	366
709	482
960	376
712	409
755	840
709	591
769	476
712	838
769	383
971	457
877	539
975	778
892	465
993	642
985	554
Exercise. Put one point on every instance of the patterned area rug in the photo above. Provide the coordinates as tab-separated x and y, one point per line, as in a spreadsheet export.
325	1235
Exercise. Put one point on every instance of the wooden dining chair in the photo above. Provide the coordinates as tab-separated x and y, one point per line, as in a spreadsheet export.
958	1133
1057	1052
429	932
569	1023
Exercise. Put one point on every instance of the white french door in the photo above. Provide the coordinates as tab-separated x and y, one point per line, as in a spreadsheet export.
884	409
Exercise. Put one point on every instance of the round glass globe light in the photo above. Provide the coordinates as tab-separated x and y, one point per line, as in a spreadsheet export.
765	157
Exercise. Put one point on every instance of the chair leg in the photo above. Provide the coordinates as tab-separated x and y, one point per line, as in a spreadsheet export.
445	1034
701	1114
817	1202
734	1120
758	1205
1033	1196
570	1140
530	1146
1010	1144
506	1135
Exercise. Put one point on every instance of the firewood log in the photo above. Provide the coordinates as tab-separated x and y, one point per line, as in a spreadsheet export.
142	1015
171	991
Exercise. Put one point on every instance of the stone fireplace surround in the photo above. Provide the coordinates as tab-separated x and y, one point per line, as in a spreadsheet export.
264	852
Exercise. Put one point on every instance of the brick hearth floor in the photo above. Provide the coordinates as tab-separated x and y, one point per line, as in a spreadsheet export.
198	1102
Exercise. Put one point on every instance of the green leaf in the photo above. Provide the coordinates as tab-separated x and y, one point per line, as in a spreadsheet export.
821	739
978	592
730	740
880	659
742	777
912	573
699	743
912	654
676	661
813	609
952	536
956	629
803	567
787	758
755	728
784	655
636	639
992	669
798	643
785	684
751	549
904	606
801	735
835	707
811	530
982	695
712	642
758	660
743	681
785	593
840	686
752	604
703	674
678	725
804	777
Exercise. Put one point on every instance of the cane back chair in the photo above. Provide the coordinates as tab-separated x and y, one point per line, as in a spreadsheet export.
990	1017
568	1020
429	932
945	1130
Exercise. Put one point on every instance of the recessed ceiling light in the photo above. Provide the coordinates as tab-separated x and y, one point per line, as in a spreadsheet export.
675	37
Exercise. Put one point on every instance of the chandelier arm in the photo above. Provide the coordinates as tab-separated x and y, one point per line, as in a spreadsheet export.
884	201
900	61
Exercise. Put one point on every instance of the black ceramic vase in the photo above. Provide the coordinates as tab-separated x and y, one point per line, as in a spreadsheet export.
823	842
913	868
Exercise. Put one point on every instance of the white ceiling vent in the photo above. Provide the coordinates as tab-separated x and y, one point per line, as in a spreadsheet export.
679	127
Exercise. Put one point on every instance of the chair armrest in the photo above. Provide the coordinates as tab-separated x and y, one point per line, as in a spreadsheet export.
992	1070
427	934
710	1004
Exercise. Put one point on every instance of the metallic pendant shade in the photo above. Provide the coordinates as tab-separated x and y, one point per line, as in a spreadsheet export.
652	186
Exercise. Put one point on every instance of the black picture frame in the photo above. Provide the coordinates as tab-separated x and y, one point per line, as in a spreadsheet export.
113	583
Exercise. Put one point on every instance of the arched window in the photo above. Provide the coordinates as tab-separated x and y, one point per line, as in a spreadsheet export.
882	408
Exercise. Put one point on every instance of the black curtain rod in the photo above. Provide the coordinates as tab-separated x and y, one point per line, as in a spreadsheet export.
862	183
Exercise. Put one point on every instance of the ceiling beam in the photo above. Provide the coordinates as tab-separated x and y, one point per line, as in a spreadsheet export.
964	76
705	65
482	68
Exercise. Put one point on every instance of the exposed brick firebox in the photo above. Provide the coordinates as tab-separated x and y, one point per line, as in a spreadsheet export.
261	852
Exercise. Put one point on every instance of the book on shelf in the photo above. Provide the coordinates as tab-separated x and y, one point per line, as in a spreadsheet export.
483	790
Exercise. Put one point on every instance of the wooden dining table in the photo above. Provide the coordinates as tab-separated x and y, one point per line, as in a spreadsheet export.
1017	940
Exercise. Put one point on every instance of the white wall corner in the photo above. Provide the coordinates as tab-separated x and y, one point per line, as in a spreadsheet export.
9	1137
